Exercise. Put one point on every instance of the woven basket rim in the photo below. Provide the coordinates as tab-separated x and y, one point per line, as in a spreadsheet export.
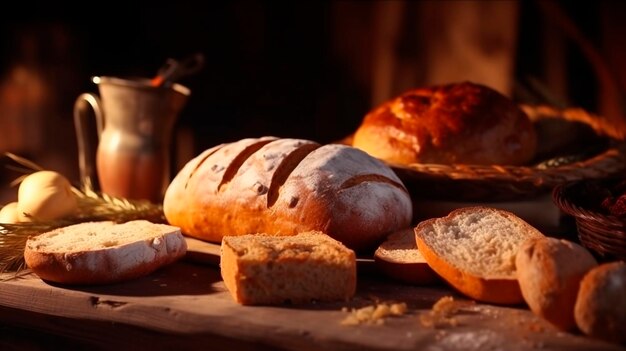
603	233
561	196
605	163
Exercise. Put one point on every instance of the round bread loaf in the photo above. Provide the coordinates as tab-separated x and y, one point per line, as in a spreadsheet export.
600	309
549	272
287	186
462	123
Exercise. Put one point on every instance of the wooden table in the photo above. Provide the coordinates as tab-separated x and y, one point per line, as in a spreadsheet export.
186	306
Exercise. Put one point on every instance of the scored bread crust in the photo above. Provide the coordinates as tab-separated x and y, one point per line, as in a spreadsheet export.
156	245
390	260
492	289
463	123
286	186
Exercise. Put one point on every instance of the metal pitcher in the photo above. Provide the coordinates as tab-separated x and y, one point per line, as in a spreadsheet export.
134	121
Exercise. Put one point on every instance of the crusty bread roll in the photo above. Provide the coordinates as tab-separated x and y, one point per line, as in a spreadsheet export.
549	272
398	258
474	248
460	123
286	186
261	269
103	252
600	309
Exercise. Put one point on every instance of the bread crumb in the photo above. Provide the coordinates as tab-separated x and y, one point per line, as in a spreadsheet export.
536	327
446	306
373	314
442	313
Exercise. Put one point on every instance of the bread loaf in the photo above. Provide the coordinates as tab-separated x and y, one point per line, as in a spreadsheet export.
286	186
462	123
398	258
474	248
600	309
549	272
261	269
103	252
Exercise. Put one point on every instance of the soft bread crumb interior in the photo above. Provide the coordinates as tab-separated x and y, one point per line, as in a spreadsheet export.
310	246
97	235
482	243
400	247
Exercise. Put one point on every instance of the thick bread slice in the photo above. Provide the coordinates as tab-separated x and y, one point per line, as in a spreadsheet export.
261	269
103	252
474	249
398	258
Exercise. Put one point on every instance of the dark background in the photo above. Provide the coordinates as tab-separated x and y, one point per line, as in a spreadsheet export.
272	68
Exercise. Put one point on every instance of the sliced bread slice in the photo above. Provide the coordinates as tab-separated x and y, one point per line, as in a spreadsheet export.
398	258
103	252
474	249
262	269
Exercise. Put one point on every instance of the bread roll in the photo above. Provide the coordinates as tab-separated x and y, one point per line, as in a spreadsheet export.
600	309
549	271
461	123
474	248
398	258
261	269
103	252
287	186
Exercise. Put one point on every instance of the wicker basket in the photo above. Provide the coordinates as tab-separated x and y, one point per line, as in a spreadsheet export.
462	182
504	183
602	233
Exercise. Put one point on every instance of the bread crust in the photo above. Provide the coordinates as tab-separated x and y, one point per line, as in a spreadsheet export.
459	123
549	272
416	272
600	309
287	186
104	265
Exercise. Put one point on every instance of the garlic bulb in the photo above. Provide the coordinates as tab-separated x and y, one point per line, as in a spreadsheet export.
45	196
8	213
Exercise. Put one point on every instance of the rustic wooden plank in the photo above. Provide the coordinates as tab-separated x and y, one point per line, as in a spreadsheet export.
189	300
23	330
203	252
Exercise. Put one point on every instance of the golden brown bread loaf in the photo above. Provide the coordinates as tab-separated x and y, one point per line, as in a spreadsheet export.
460	123
288	186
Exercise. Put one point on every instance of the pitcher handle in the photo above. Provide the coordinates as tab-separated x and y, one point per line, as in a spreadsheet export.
86	165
